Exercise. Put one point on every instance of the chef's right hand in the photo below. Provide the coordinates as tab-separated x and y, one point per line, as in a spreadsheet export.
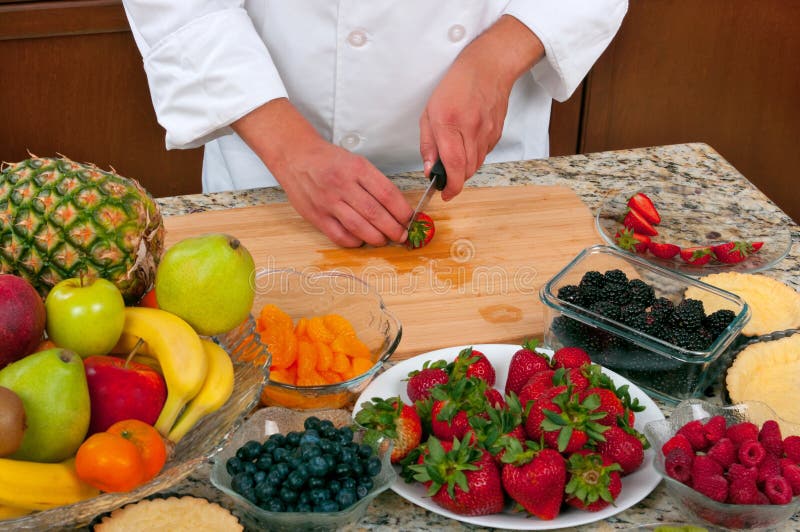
340	193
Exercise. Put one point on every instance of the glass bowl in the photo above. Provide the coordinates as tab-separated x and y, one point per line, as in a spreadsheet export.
737	516
271	420
695	216
193	450
317	293
663	369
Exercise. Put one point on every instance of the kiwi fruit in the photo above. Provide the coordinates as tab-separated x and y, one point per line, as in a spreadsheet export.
12	421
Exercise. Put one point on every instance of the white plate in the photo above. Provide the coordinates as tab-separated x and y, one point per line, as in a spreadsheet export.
635	487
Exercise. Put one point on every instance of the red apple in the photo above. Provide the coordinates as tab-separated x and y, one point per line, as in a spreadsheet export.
22	318
120	389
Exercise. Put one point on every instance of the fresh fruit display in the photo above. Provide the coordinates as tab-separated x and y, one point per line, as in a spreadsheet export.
122	458
85	315
22	319
60	218
12	421
479	447
52	387
38	486
421	231
741	464
774	306
318	469
769	372
208	281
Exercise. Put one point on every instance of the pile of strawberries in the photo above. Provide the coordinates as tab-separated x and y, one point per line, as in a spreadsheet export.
561	436
736	464
638	232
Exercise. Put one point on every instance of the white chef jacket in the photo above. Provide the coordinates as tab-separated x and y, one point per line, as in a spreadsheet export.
361	71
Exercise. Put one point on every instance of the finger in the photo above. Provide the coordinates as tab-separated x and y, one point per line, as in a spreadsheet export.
353	221
454	157
336	232
397	210
427	144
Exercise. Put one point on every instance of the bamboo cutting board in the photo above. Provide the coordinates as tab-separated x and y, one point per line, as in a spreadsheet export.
476	282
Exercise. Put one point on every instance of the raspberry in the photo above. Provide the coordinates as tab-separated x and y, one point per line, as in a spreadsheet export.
739	472
741	432
778	490
762	498
723	452
751	453
770	437
743	492
712	486
770	466
694	432
791	472
679	441
791	448
678	464
703	466
714	429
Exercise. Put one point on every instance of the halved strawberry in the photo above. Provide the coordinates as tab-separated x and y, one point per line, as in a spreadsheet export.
663	250
644	206
629	240
634	220
697	255
732	252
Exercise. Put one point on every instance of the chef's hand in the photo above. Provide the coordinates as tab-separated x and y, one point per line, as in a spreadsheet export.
340	193
464	117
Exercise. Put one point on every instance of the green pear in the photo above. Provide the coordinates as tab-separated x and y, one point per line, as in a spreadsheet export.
208	281
53	389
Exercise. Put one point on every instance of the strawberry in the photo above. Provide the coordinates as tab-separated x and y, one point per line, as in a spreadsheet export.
472	363
534	478
574	376
635	221
420	382
570	357
570	423
421	231
463	479
535	409
593	482
662	250
524	363
770	437
641	203
733	252
394	420
453	404
537	383
499	426
630	240
697	255
609	403
494	398
622	447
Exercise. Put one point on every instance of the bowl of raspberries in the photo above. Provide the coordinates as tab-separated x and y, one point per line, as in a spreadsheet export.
735	466
632	317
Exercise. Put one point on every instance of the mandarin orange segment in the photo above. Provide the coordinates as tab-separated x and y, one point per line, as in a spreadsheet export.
324	356
361	365
318	332
306	359
283	349
312	378
331	377
350	346
341	364
300	328
272	316
338	324
286	376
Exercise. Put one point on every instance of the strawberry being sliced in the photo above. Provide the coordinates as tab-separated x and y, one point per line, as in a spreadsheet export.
634	220
733	252
421	231
663	250
697	255
641	203
629	240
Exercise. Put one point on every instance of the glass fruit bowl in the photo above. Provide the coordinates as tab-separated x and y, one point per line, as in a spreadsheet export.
737	516
200	443
279	420
306	295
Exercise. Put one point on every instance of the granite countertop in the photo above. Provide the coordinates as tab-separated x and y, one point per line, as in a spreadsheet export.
593	177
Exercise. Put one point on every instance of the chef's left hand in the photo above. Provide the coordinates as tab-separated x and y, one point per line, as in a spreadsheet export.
464	117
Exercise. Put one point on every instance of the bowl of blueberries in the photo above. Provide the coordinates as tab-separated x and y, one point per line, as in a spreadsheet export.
291	470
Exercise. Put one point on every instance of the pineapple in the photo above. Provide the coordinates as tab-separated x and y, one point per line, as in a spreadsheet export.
61	219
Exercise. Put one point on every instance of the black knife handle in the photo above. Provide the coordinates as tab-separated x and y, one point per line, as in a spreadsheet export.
438	173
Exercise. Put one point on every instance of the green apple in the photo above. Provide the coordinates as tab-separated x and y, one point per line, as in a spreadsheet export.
85	315
208	281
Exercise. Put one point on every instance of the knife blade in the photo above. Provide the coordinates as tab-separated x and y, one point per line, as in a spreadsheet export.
438	178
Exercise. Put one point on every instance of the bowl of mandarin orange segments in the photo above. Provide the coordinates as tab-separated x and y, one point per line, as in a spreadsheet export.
328	334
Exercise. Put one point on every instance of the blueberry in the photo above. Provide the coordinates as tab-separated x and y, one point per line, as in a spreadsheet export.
334	486
249	467
347	455
361	491
310	436
318	467
304	497
345	434
317	482
342	469
303	507
294	461
275	505
366	482
311	423
233	465
274	478
348	483
281	454
241	482
330	459
319	495
287	494
346	497
293	438
269	446
309	451
364	450
373	466
296	479
326	446
357	467
265	490
264	462
259	476
278	438
327	506
250	495
282	468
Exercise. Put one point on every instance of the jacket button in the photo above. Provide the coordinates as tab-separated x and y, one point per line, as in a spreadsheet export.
350	141
456	33
357	38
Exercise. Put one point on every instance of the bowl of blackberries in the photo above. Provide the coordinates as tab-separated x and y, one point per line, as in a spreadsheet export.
631	316
289	470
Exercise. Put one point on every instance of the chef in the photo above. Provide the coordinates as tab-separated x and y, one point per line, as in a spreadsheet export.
326	97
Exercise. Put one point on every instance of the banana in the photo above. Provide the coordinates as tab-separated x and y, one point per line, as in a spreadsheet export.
179	352
12	512
38	486
216	390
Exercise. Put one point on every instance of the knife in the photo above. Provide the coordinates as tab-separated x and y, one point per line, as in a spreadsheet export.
438	178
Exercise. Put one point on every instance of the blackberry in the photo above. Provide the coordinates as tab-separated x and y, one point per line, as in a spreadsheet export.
571	294
641	293
688	314
661	310
632	314
690	340
592	278
616	276
616	292
607	309
718	321
567	330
